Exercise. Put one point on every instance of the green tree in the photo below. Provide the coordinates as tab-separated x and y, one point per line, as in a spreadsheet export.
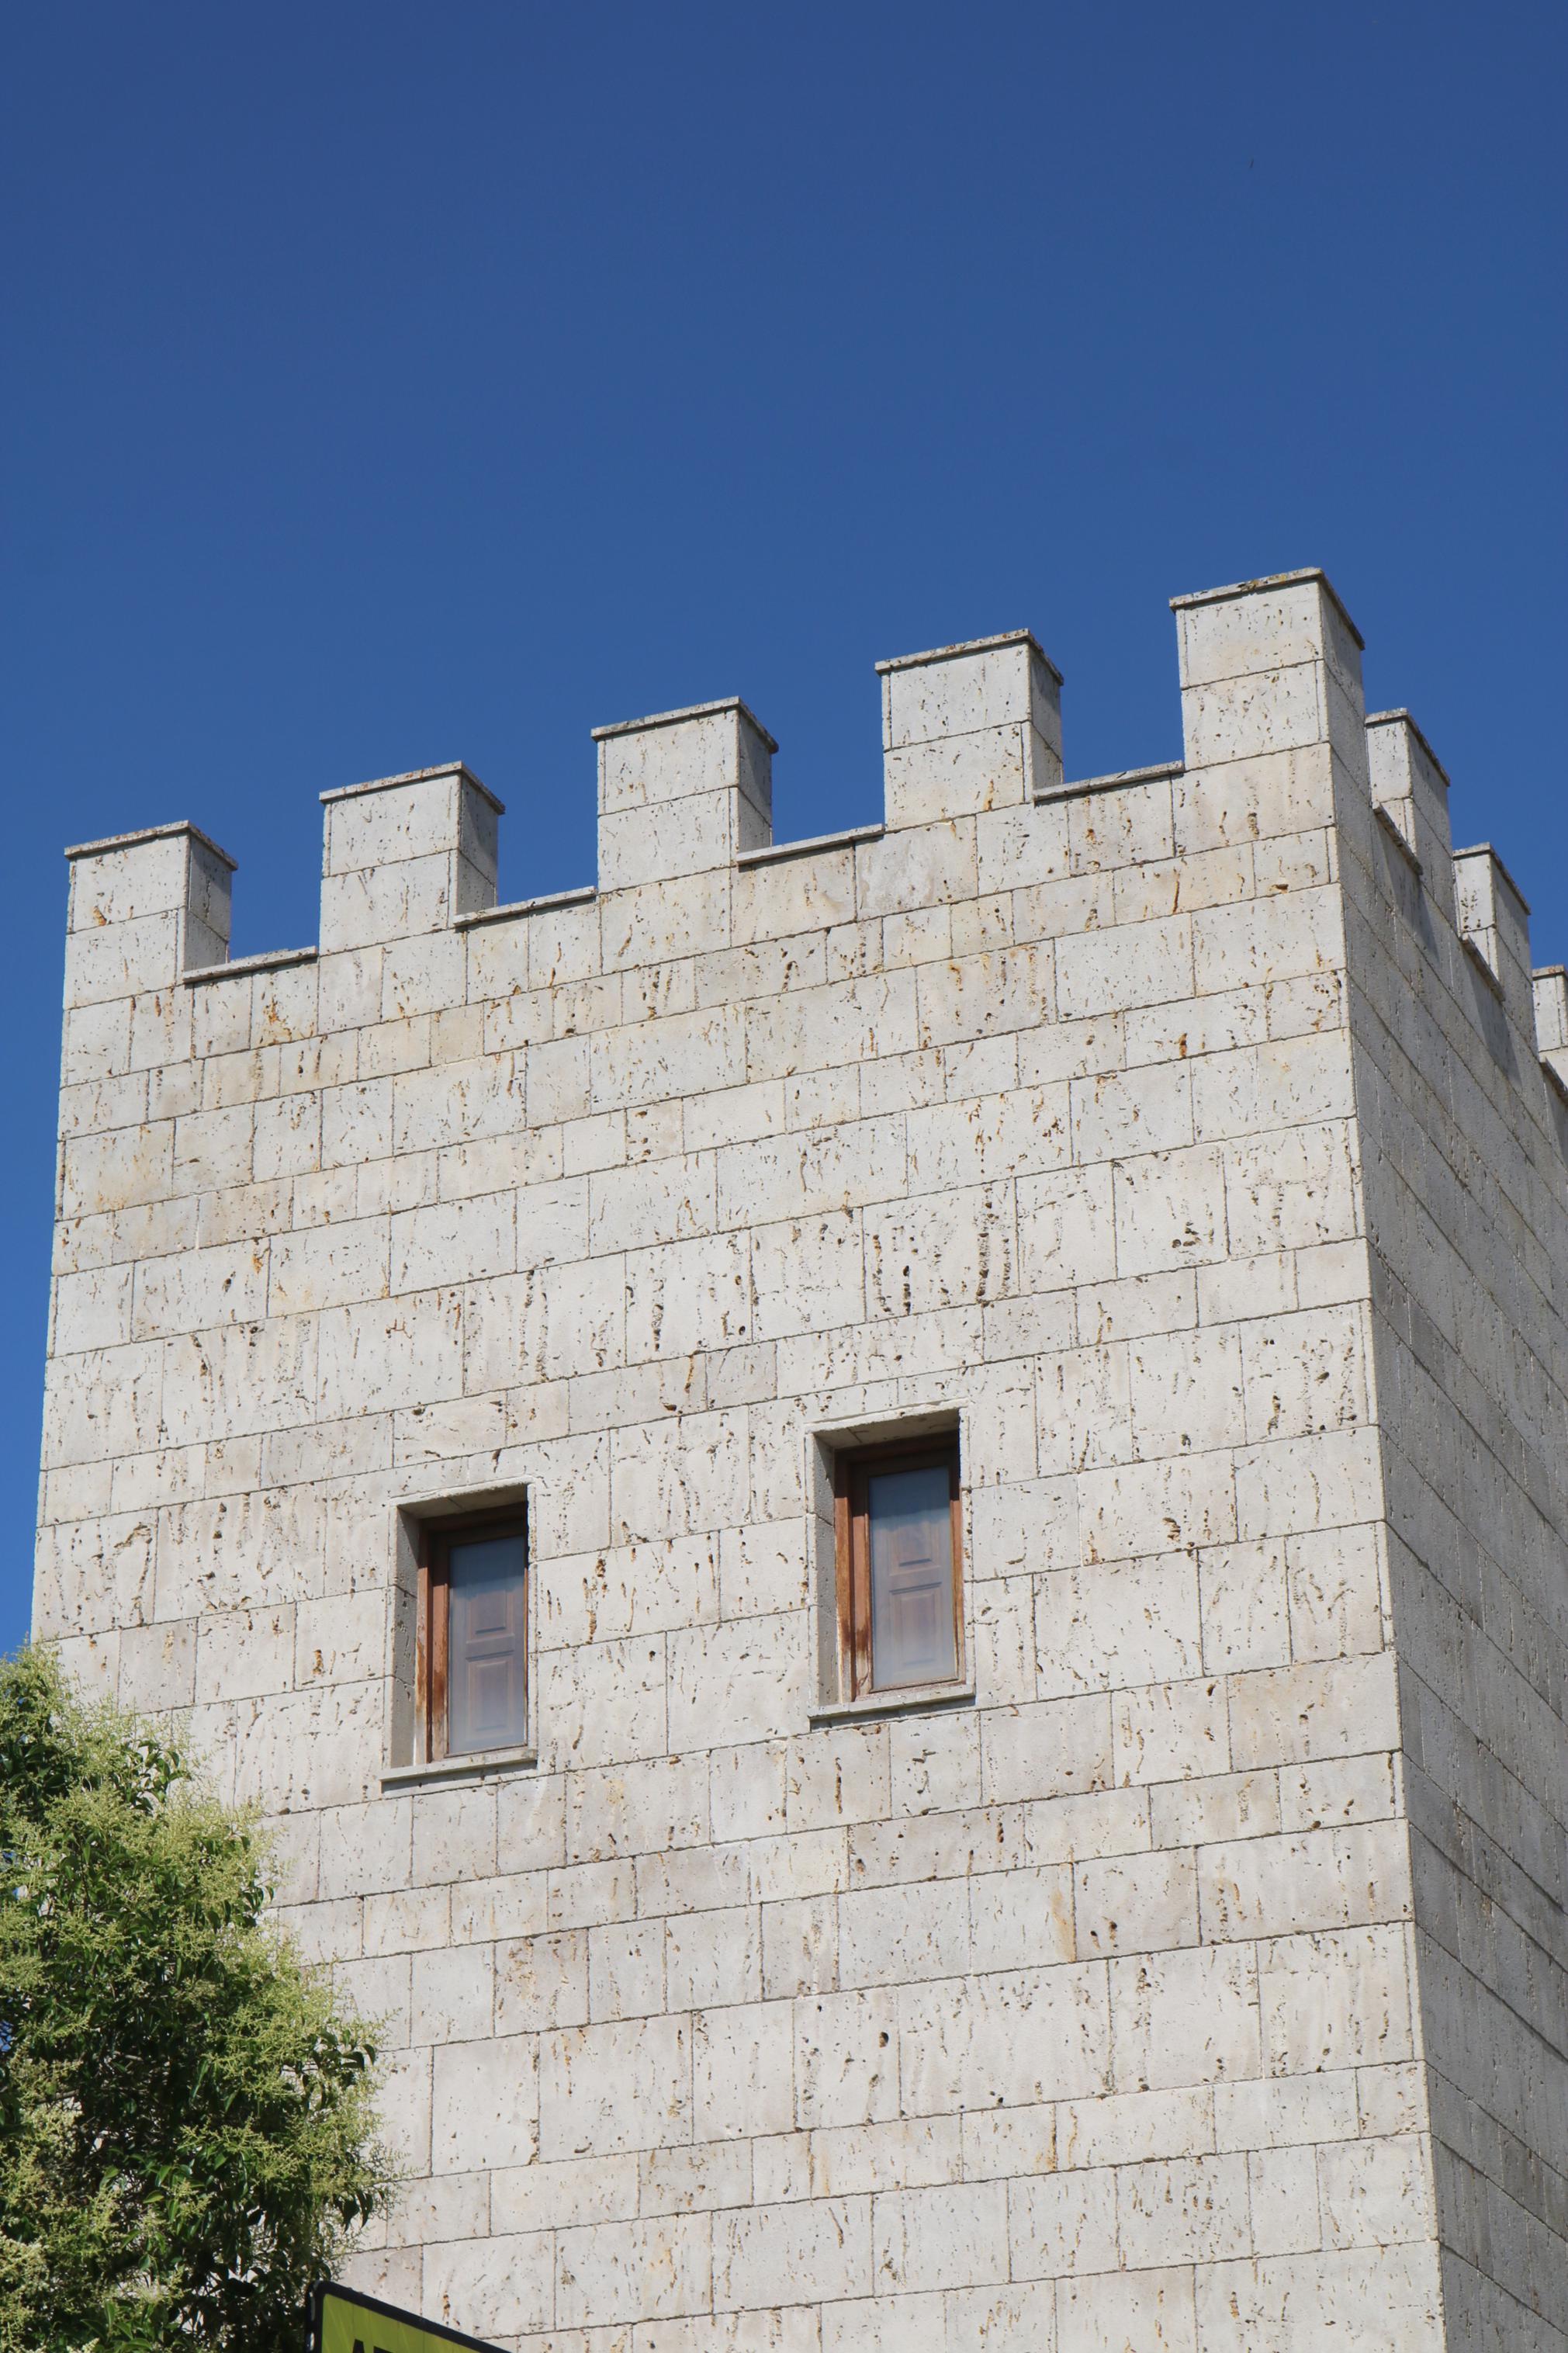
187	2119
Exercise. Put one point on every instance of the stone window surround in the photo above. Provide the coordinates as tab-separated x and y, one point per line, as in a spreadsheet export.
402	1766
853	1471
827	1439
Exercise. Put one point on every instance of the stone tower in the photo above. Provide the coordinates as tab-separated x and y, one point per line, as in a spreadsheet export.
886	1518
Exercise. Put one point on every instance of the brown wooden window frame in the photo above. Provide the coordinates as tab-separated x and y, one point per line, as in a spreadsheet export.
853	1469
436	1538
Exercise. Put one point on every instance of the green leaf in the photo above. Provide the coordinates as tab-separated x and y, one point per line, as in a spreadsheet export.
187	2118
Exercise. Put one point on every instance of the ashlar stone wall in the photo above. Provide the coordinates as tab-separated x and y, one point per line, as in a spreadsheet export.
1193	1981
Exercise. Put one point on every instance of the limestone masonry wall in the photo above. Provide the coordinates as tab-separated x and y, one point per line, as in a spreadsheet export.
1193	1980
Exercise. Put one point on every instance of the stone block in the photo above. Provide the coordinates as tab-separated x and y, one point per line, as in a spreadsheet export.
1046	1749
626	1969
1395	2291
952	2237
1376	2193
846	2058
1135	1904
541	1981
485	2104
1063	2223
1335	2000
762	2253
1107	2310
1170	1731
1297	1190
118	1170
750	1675
485	1909
1127	2128
1188	2209
1316	1879
454	1995
928	865
643	2271
157	1665
1020	1919
1067	1228
714	1959
245	1652
591	1891
1011	2039
615	2086
454	1834
504	2283
1135	1508
1340	1708
1134	963
743	2078
1105	1626
1170	1210
1186	2018
1246	1616
892	1936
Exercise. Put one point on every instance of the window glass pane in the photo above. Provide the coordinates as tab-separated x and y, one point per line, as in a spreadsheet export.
484	1644
909	1523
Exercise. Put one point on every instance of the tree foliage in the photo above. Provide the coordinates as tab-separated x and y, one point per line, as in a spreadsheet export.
187	2119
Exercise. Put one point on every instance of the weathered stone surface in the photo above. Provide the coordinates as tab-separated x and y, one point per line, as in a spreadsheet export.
1196	1979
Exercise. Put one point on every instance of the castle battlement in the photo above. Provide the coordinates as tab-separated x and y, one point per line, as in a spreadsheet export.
972	740
1004	1371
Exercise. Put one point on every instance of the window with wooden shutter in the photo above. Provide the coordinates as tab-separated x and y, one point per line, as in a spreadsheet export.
899	1533
474	1624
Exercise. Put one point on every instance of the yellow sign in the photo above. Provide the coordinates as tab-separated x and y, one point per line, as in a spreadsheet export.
341	2322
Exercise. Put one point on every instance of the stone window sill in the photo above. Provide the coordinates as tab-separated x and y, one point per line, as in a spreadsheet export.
457	1768
919	1699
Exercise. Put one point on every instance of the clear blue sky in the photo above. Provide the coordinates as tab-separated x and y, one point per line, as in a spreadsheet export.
391	383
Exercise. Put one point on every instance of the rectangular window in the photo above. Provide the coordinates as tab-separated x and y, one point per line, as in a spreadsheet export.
899	1526
473	1620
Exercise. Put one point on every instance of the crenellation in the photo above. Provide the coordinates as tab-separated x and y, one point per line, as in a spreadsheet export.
402	857
1270	668
1410	787
681	795
1550	990
143	907
1493	919
970	728
1188	1966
